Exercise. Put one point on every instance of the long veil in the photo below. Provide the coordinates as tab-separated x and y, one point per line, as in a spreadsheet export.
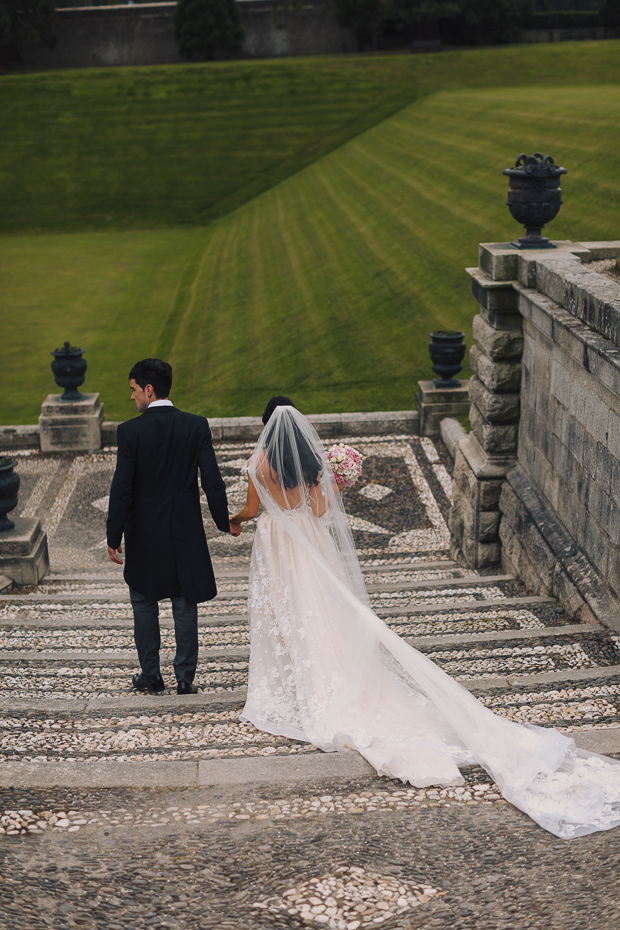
325	669
288	465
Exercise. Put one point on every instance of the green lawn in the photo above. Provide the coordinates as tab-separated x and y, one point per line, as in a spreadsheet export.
142	148
327	285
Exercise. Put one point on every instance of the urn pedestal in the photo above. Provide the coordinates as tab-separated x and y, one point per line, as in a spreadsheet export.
23	552
71	425
9	486
435	404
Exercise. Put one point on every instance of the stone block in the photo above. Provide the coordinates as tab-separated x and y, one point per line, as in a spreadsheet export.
564	251
481	554
495	375
108	433
71	426
493	437
484	491
451	433
488	525
590	456
574	438
233	428
587	295
568	594
613	435
497	344
456	524
601	250
515	559
595	542
498	320
563	460
19	437
519	525
477	524
492	295
215	425
495	407
560	385
328	425
435	404
498	260
367	424
595	413
604	468
23	552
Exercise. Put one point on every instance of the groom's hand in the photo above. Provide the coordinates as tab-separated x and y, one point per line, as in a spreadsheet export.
112	553
235	529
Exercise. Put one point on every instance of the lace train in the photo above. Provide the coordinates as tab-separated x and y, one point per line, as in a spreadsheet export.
325	669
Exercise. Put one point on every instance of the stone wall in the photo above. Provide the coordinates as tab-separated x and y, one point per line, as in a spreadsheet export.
546	396
578	34
142	34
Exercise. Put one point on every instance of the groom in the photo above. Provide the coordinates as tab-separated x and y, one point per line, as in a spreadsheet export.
155	503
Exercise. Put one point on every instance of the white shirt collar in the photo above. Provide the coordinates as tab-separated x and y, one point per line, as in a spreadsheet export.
160	403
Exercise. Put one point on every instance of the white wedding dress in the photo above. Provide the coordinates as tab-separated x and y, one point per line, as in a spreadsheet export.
326	670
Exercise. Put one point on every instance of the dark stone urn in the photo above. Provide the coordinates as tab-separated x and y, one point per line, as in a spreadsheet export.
447	350
534	197
9	486
69	370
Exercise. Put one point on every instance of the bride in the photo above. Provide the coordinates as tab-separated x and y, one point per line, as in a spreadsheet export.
326	670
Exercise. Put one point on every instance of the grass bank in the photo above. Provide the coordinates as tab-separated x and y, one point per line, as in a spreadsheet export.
152	147
327	285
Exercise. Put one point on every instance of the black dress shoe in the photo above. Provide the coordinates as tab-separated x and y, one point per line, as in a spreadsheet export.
151	685
184	687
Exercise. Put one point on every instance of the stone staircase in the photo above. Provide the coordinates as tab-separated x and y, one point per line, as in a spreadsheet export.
68	714
68	657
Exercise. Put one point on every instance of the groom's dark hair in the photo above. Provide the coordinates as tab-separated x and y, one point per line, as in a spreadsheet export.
153	371
279	401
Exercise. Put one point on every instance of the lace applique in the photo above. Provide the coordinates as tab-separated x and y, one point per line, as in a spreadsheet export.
325	669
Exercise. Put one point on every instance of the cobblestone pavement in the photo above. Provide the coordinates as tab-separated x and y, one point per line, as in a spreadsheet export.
120	810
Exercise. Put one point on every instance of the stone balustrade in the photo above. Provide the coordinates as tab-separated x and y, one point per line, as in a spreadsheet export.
537	481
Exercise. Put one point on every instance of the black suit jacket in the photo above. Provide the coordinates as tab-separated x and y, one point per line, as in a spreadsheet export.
155	503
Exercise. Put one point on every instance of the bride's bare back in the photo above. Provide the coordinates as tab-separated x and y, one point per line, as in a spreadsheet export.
286	498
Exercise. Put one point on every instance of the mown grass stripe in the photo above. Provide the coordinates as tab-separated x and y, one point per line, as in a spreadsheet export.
324	287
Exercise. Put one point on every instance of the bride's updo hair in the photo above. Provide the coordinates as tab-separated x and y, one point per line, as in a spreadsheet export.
279	401
293	452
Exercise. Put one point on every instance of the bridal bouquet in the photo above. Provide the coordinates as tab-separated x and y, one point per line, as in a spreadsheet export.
346	463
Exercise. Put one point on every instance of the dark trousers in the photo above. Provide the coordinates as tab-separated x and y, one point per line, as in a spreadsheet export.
148	640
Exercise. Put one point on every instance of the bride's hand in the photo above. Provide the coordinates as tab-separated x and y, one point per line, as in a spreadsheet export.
235	528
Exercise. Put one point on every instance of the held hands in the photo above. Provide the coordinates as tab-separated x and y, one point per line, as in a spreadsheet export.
235	529
113	556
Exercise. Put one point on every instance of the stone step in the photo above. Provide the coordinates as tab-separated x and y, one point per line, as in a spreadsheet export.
165	727
515	613
270	769
124	651
49	675
241	572
69	594
382	597
274	768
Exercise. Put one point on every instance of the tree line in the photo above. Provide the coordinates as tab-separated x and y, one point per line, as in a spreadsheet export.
206	28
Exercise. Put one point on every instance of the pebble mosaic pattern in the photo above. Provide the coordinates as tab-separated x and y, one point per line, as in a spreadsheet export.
200	734
477	790
586	706
106	641
79	681
350	898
